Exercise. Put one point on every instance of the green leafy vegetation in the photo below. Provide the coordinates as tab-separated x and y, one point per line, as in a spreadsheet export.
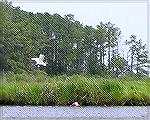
62	90
84	63
69	46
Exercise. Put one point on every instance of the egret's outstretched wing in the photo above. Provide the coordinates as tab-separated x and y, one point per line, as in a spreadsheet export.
44	64
36	59
33	58
41	57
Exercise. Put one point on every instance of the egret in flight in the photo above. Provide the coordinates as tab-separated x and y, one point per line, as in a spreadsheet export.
39	61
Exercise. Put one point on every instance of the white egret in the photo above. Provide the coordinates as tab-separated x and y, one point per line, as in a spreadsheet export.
39	61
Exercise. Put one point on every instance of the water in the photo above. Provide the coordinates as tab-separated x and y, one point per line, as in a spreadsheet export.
65	113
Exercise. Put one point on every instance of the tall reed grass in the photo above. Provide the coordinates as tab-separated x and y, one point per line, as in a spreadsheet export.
40	89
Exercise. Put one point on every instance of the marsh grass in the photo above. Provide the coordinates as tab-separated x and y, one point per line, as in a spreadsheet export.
29	89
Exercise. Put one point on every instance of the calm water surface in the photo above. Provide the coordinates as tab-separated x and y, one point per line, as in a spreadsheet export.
45	112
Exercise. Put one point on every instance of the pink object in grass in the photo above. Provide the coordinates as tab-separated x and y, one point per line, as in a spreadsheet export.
75	104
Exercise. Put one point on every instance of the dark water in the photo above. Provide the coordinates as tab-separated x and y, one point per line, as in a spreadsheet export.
58	113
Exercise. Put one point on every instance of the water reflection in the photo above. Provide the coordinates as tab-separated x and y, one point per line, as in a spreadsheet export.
65	112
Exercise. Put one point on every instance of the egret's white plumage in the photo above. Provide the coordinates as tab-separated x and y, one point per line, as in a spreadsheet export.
39	61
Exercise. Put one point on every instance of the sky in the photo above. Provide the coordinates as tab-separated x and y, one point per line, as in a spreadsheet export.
130	17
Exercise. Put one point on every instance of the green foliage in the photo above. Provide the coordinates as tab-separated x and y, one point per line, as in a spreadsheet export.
139	56
1	35
73	52
11	77
69	46
62	90
34	76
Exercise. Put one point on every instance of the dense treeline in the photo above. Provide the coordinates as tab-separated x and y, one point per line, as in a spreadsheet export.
69	46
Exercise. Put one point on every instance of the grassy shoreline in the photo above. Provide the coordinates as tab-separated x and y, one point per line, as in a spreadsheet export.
62	90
